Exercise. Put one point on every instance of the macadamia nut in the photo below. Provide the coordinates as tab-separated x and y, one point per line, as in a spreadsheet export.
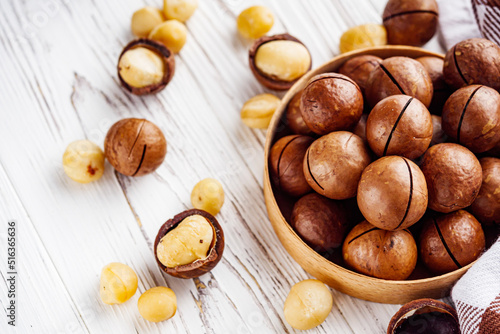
144	20
171	33
118	283
363	36
179	9
157	304
141	67
308	304
83	161
259	110
188	242
255	21
208	195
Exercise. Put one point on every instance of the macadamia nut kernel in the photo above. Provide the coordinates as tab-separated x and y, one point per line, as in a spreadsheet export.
188	242
141	67
363	36
83	161
179	9
308	304
144	20
208	195
171	33
283	60
258	111
118	283
255	21
157	304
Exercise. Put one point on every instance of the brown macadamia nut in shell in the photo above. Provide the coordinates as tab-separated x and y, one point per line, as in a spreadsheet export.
399	75
451	241
486	207
453	175
294	117
410	22
473	61
399	125
379	253
321	222
286	159
392	193
471	117
331	102
135	147
359	69
333	164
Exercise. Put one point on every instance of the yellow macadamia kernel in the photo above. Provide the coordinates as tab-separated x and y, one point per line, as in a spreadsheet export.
208	195
363	36
179	9
258	111
157	304
187	242
171	33
141	67
283	60
144	20
118	283
255	21
308	304
83	161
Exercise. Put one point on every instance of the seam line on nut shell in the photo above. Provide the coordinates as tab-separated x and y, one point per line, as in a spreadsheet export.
395	125
458	67
310	173
394	81
142	159
445	245
459	128
362	234
410	196
136	139
410	12
279	159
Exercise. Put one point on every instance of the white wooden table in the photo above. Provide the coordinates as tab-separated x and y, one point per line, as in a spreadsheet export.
58	84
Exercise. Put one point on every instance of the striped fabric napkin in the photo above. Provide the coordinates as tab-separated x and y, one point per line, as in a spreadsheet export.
477	295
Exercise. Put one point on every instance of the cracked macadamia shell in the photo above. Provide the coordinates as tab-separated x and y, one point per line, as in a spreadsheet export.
286	160
410	22
453	175
399	125
473	61
321	222
392	193
333	164
359	69
471	117
379	253
451	241
331	102
399	75
135	147
198	267
486	207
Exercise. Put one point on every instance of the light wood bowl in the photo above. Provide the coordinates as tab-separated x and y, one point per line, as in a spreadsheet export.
340	278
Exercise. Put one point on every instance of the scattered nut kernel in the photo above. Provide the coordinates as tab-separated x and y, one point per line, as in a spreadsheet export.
188	242
172	33
255	21
179	9
144	20
208	195
83	161
157	304
283	60
258	111
363	36
118	283
308	304
141	67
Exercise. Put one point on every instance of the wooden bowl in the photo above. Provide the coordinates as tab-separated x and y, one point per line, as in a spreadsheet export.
336	276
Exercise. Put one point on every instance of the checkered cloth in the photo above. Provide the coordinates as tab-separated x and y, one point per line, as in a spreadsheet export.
477	295
463	19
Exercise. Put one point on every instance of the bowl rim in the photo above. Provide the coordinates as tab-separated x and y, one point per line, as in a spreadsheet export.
267	147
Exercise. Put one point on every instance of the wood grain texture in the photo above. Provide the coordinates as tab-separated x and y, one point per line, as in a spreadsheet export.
59	85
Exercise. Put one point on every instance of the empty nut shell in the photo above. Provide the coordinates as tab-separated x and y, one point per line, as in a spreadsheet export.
321	222
473	61
135	146
424	316
380	253
451	241
359	69
294	117
399	75
333	164
471	117
286	158
200	266
331	102
453	175
486	207
392	193
399	125
168	69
